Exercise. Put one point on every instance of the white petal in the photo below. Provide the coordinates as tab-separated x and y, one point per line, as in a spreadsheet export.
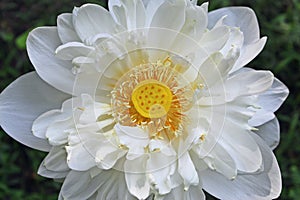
215	69
261	117
249	52
41	124
135	138
165	147
263	185
86	81
229	126
113	186
57	132
241	147
175	18
136	177
272	99
161	168
270	133
79	157
222	162
66	29
41	44
71	50
56	159
108	155
22	102
195	22
93	111
194	192
215	39
130	14
43	171
187	170
83	148
54	165
87	23
80	185
242	17
255	82
166	27
151	8
236	39
245	84
245	19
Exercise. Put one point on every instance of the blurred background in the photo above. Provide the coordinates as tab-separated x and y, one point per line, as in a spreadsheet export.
279	20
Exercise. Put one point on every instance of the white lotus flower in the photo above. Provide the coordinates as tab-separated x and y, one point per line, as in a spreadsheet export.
149	100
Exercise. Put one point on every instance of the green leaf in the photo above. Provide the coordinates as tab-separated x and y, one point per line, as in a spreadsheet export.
21	40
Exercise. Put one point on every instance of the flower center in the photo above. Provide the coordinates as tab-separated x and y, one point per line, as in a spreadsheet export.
155	97
152	99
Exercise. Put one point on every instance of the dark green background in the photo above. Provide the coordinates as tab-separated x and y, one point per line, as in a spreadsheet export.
279	20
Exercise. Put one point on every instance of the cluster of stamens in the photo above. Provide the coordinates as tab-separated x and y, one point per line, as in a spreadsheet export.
151	96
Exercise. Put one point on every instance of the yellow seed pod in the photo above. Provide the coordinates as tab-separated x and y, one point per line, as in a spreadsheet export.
151	98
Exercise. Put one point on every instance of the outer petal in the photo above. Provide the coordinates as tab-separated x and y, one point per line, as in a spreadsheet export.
43	171
262	185
194	192
214	70
249	52
269	102
80	185
151	8
232	132
272	99
55	165
22	102
66	29
221	161
165	28
91	19
195	21
113	186
108	185
270	133
130	14
41	45
249	83
215	39
245	19
242	17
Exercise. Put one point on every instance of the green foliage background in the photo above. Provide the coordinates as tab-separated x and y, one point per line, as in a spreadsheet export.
279	20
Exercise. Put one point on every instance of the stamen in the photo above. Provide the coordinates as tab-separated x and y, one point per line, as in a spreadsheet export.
154	97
